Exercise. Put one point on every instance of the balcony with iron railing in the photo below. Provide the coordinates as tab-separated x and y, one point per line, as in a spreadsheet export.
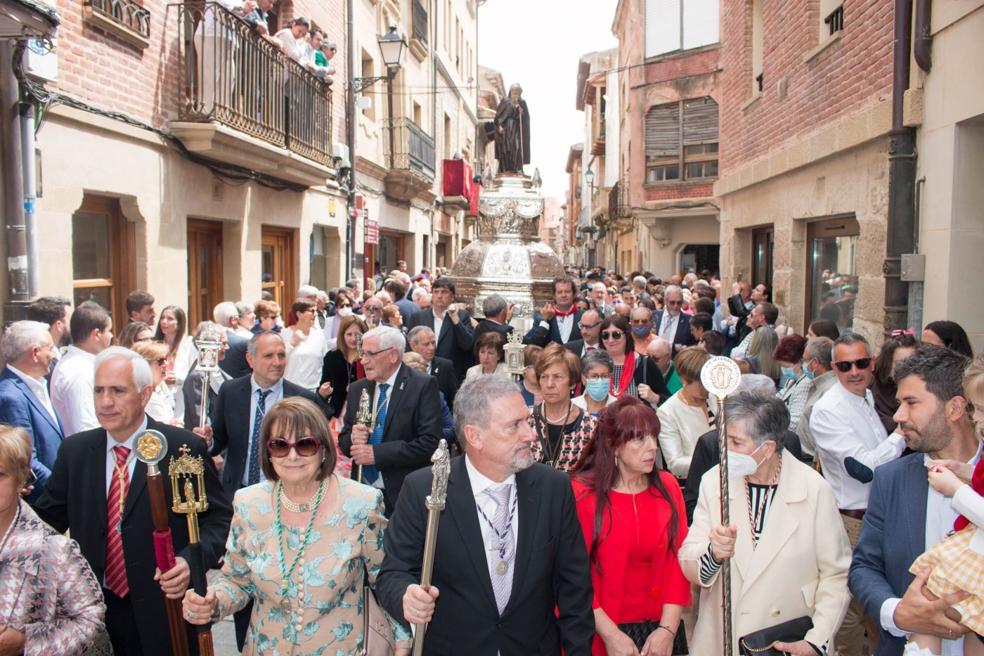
242	100
410	158
124	18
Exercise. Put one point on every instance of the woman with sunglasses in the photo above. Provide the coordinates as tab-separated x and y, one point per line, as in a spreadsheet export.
634	522
343	366
161	404
306	350
630	370
300	545
562	428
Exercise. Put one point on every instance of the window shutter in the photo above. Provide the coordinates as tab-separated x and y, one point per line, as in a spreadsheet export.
663	131
700	121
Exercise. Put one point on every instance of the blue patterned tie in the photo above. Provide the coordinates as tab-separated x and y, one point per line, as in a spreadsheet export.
254	440
370	472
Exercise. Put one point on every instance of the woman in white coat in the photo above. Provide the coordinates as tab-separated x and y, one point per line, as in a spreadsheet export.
792	564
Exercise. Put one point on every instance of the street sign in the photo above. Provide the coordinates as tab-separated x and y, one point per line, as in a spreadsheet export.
372	231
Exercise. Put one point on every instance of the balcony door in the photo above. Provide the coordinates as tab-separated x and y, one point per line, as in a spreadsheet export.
103	256
279	260
204	269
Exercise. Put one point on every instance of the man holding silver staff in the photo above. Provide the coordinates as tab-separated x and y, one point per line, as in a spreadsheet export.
98	490
511	575
404	426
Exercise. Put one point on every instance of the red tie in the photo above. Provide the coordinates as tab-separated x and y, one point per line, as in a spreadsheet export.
118	486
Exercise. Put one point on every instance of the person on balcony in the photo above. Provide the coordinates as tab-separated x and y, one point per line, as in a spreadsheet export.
321	52
293	40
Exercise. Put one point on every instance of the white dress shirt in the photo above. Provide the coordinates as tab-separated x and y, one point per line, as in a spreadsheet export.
438	322
391	381
71	390
38	387
668	326
846	425
480	483
565	325
941	513
305	361
276	394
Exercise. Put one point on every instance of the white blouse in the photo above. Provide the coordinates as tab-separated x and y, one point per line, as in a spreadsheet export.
681	426
305	361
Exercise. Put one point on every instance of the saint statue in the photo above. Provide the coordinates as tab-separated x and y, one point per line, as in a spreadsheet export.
512	132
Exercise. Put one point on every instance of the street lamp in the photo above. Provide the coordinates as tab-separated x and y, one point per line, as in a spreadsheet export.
391	46
589	176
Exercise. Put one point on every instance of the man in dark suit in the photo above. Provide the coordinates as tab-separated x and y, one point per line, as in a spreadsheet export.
406	424
398	291
236	418
234	363
98	491
557	321
671	323
452	325
531	593
24	401
905	517
498	312
421	341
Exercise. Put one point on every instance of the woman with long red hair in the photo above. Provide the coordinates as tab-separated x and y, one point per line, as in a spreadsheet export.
634	521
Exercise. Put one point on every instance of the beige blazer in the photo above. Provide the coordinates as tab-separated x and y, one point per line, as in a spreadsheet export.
798	568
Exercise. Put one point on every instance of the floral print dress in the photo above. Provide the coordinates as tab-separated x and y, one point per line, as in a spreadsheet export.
325	614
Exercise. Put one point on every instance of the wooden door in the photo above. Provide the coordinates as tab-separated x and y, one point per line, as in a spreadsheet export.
204	270
103	256
279	265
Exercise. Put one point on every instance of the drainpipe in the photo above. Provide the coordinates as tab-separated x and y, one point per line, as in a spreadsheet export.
922	47
29	174
350	121
18	285
901	178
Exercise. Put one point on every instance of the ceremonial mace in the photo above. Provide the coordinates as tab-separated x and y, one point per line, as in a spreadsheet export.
364	415
188	473
720	377
208	363
151	447
435	504
515	363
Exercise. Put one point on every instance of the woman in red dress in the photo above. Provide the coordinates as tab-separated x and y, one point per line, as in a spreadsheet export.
633	519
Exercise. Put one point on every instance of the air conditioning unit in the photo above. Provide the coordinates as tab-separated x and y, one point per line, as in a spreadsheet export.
340	152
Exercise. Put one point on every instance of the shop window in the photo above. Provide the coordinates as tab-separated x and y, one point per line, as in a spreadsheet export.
833	280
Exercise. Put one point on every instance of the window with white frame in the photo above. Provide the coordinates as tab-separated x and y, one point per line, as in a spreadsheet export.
680	25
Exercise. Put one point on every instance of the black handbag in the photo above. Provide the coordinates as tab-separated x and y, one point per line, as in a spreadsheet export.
759	643
639	632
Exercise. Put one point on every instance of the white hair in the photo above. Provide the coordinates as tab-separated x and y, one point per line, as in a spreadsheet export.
417	332
656	342
307	291
142	377
672	289
243	308
758	384
388	338
224	313
639	281
595	286
417	293
21	337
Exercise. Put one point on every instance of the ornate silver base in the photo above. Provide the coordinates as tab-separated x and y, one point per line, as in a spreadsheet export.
508	257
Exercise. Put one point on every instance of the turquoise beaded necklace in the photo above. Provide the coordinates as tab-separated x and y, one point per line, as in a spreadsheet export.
284	572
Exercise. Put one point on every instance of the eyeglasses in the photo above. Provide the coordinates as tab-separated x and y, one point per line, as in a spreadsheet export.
845	365
615	334
278	447
372	354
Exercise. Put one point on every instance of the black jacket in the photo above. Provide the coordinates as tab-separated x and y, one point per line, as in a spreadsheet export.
541	336
411	432
447	380
74	499
230	426
456	341
549	609
234	363
683	337
335	370
487	326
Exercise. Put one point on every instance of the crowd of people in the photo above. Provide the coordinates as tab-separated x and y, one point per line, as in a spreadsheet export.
584	503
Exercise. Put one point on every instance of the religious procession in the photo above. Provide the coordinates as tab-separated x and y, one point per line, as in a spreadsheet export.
319	339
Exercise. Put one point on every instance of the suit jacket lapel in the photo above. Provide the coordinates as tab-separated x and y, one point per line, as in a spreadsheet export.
97	464
445	325
464	515
529	514
916	516
36	404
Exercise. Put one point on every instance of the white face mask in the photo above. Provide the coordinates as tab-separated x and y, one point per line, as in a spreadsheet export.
344	312
742	464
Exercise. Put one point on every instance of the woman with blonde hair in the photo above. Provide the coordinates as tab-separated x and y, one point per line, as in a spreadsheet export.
300	545
50	600
760	350
161	404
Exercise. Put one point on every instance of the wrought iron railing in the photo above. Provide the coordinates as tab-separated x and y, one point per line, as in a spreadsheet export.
231	75
419	21
413	149
125	12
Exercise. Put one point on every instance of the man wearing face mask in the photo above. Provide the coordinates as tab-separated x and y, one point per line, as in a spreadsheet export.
641	324
791	556
816	364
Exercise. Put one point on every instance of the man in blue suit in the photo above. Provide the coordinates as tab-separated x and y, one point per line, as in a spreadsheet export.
28	349
905	517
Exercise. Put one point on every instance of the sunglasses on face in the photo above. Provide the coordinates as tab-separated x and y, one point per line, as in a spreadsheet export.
845	365
615	334
279	447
